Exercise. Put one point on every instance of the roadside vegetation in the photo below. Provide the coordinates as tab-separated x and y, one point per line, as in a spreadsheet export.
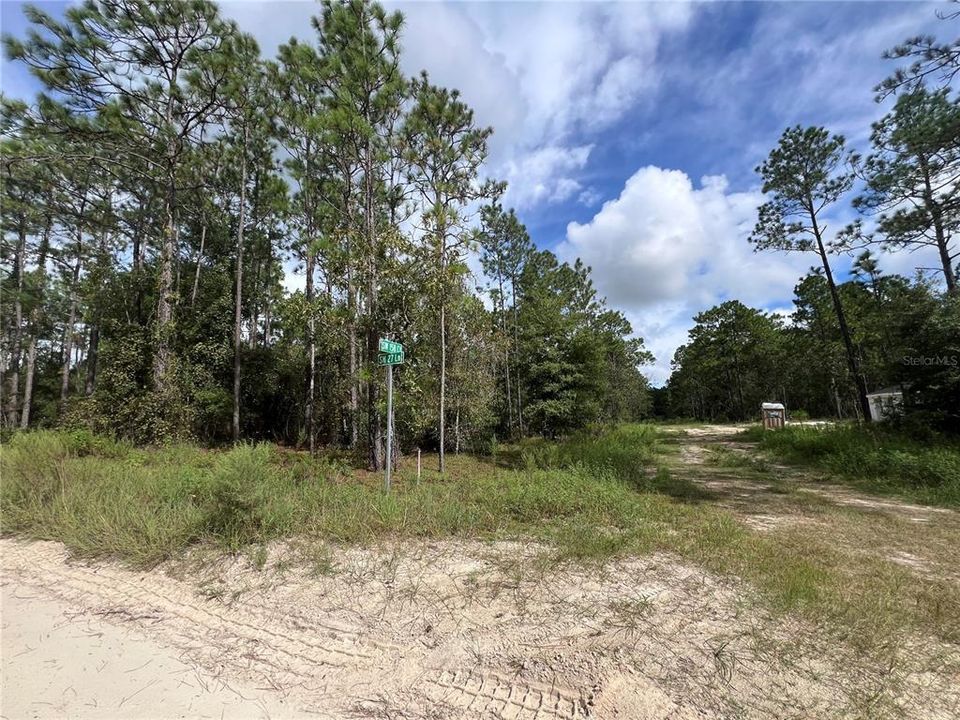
876	459
587	499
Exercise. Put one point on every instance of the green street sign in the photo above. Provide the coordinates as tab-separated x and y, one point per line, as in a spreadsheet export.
390	347
386	358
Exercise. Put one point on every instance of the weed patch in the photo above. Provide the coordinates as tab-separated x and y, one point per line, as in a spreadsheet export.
877	460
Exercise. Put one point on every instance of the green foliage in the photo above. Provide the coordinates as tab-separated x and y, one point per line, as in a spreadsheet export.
802	175
913	177
876	458
929	61
576	363
232	502
731	365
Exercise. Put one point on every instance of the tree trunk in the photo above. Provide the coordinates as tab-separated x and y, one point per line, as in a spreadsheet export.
516	349
81	357
268	276
93	349
254	306
238	304
853	361
266	324
936	214
255	285
456	432
506	358
352	332
374	430
13	394
138	260
312	342
35	316
164	327
93	353
311	262
68	332
196	274
443	377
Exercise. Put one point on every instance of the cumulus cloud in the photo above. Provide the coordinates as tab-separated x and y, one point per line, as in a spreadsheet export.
666	249
544	174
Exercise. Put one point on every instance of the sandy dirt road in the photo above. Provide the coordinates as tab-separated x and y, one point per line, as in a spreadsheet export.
420	631
58	662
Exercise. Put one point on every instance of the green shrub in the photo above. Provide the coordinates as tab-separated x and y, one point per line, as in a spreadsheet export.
33	468
235	501
878	458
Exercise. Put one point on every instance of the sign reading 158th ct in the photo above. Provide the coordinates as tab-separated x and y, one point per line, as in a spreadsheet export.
391	353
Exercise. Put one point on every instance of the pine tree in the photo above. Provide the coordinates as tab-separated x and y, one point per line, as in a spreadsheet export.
804	175
913	177
445	149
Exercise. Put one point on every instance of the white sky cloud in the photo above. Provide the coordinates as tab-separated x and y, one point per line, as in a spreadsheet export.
540	74
666	249
550	78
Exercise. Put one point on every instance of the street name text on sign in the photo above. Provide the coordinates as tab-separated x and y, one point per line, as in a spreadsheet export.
389	346
385	358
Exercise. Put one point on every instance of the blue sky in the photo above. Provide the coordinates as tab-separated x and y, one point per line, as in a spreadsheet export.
629	132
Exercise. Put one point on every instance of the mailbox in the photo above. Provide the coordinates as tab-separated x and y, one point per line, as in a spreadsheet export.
773	415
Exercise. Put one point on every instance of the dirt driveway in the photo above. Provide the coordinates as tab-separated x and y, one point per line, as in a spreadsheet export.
430	630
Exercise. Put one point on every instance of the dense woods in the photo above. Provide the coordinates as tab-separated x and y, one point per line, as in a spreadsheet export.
159	190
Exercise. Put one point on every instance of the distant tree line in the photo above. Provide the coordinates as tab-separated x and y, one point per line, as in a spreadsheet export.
156	191
874	330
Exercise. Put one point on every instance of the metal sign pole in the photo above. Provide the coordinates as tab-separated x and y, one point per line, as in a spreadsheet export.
389	462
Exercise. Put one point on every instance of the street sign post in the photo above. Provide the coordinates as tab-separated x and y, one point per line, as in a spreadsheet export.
391	353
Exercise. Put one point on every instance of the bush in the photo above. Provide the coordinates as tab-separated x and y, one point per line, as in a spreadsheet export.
34	468
234	499
879	458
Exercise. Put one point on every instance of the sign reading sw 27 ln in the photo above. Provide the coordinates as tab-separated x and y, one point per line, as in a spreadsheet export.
391	353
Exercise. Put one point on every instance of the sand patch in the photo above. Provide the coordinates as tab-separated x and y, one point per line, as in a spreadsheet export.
453	630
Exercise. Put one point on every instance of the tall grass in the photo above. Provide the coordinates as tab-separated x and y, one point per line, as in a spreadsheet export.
875	459
591	497
146	505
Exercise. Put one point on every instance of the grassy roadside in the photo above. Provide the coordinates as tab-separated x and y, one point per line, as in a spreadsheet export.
876	460
105	499
590	497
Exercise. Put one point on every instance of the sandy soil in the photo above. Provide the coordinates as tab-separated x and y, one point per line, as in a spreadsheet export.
444	630
451	630
58	662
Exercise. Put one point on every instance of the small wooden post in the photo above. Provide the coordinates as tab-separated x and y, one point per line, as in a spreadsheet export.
418	466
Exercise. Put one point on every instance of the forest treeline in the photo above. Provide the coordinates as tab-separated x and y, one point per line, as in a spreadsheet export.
158	187
872	331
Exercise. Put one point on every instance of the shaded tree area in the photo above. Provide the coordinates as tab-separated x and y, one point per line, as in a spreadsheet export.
905	333
200	242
